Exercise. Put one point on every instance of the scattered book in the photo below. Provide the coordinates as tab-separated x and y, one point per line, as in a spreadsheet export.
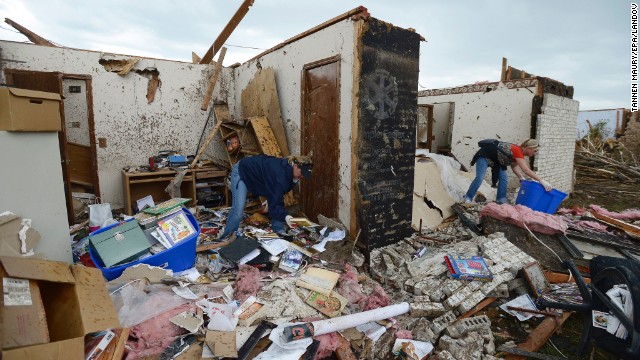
320	280
96	343
600	319
166	206
468	267
252	314
176	227
303	222
291	260
330	305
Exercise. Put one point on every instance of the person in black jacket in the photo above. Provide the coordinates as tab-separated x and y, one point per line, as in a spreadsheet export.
267	176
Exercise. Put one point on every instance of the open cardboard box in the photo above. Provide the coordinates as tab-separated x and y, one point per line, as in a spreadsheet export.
49	320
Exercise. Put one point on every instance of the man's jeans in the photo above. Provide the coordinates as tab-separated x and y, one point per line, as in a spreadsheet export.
239	199
481	170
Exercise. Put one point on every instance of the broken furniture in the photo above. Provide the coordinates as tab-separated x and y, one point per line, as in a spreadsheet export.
605	272
139	185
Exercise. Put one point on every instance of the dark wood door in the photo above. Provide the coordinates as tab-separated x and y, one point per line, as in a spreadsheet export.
320	137
49	82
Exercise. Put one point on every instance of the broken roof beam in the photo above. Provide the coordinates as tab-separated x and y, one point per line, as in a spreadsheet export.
33	37
224	35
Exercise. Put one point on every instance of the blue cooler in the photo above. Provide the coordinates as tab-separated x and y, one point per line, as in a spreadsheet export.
533	195
177	258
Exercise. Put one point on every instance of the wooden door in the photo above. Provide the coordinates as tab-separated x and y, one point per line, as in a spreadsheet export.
49	82
320	137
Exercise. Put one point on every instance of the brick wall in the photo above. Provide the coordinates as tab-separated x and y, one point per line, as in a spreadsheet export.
556	131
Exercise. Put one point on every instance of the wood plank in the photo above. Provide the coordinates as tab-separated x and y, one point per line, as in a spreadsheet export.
195	58
629	228
222	112
260	98
33	37
555	278
80	163
540	335
503	74
483	304
228	29
206	247
212	81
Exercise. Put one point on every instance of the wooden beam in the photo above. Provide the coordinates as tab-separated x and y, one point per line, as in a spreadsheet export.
629	228
483	304
540	335
556	278
213	80
224	35
503	74
195	58
33	37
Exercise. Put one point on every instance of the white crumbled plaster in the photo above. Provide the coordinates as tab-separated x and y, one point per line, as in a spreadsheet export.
134	130
288	63
556	129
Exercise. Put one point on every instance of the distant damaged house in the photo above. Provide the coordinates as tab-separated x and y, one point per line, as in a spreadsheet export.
518	107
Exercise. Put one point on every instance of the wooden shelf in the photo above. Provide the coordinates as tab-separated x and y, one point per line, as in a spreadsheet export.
139	185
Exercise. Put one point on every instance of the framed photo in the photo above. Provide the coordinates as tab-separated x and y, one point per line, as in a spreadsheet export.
536	279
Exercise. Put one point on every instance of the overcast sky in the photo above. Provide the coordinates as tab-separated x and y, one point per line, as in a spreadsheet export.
583	43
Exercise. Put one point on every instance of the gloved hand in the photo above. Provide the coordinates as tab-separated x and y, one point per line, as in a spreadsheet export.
287	219
546	185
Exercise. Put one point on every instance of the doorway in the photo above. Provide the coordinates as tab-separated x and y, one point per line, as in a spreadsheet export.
77	137
320	136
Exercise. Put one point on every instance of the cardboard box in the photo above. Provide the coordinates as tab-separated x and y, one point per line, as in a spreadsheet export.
67	302
28	110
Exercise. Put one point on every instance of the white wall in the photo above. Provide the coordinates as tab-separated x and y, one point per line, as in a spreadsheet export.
133	129
288	63
556	130
502	113
442	116
31	187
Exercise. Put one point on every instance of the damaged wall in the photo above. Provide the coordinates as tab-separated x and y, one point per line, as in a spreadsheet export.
134	120
556	129
386	132
288	62
76	114
484	111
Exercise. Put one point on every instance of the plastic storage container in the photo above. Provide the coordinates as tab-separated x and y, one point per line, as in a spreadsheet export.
178	258
533	195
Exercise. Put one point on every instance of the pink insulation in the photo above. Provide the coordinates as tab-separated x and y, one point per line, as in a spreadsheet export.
348	285
627	215
517	215
154	335
404	334
378	298
590	225
247	282
578	211
328	344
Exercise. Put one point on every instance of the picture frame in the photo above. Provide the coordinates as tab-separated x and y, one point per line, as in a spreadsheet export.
535	277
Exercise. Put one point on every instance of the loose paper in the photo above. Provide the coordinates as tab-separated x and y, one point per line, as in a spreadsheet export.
16	292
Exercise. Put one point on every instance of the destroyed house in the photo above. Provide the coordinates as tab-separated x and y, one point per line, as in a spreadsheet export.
344	91
518	107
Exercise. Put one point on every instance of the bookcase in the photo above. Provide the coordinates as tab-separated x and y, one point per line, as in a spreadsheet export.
139	185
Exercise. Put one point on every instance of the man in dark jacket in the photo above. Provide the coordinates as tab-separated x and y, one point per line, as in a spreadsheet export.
266	176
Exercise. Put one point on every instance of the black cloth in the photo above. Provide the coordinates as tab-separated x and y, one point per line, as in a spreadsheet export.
498	155
270	177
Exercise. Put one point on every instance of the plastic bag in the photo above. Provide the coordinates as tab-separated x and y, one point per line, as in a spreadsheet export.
136	303
99	214
221	317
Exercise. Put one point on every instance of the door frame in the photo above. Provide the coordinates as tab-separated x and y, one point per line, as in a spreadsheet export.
303	94
429	126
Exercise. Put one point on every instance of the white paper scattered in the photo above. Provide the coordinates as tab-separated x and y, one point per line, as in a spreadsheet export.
221	316
145	202
184	292
228	292
275	246
250	256
372	330
335	235
619	295
16	292
191	274
275	352
522	301
423	348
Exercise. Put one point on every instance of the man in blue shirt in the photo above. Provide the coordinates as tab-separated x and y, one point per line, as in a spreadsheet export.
267	176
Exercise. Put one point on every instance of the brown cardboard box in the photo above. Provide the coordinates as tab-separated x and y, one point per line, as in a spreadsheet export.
75	302
28	110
